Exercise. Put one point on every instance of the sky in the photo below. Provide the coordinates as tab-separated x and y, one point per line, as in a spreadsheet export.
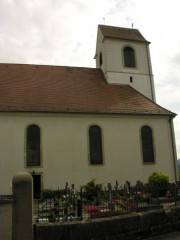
63	33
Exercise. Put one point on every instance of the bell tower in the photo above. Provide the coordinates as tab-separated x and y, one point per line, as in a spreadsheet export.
124	57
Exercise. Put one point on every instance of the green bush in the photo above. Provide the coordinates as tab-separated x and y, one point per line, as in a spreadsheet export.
159	178
90	186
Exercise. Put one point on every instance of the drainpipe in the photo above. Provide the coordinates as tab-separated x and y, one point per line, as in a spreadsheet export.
150	74
173	148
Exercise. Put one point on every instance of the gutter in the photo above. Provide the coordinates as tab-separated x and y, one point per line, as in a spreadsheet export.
150	74
173	143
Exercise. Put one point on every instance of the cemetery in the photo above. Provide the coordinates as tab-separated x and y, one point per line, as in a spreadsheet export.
96	201
95	211
108	212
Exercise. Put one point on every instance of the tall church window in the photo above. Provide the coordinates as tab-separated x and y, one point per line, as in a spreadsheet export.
147	144
33	146
95	145
129	57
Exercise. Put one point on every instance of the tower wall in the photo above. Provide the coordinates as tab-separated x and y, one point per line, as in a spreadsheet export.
112	63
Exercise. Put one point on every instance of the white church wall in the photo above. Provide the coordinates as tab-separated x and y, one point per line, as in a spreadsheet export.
139	82
114	51
65	148
140	77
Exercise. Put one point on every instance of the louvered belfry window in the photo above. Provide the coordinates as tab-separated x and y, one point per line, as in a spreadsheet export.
95	145
147	145
129	57
100	59
33	146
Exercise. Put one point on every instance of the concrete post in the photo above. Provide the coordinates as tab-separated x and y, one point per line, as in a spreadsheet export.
22	211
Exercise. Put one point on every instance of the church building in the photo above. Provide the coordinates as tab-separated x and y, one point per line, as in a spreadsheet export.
74	124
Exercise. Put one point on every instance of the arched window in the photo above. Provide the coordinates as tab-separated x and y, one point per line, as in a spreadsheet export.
129	57
95	145
33	146
147	144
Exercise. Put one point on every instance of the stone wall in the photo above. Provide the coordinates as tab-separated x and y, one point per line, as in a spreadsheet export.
133	226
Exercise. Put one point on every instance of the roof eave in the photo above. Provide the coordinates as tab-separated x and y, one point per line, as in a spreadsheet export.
133	40
80	111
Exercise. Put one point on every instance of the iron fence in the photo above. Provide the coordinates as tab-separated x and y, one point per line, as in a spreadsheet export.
70	204
6	198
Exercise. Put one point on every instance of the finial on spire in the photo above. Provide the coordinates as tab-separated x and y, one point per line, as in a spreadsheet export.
132	25
104	21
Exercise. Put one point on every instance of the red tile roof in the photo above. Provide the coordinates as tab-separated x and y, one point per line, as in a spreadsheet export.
31	88
122	33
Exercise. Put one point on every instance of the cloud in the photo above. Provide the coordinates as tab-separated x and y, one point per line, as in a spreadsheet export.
38	32
117	7
167	92
175	61
30	30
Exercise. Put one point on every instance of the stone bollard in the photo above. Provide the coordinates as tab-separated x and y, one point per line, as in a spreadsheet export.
22	209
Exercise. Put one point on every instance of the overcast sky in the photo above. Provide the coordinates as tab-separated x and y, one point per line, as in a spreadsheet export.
63	32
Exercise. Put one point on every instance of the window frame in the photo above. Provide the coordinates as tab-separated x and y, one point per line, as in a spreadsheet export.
147	145
133	62
37	163
93	155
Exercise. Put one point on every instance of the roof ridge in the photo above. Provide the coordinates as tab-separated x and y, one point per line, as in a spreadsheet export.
46	66
124	28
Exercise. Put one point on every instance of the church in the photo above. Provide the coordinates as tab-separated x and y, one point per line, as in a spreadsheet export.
74	124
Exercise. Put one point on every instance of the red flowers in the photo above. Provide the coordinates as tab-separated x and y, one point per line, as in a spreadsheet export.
95	212
91	208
